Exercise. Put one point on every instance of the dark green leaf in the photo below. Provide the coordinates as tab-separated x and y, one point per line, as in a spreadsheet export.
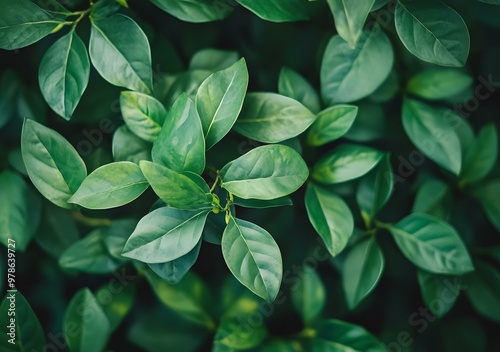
10	85
331	124
482	287
309	296
170	87
438	291
434	198
293	85
128	147
439	84
213	59
260	204
105	8
196	10
117	235
488	195
116	302
277	10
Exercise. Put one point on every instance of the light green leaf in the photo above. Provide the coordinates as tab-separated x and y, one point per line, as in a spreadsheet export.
277	10
213	59
272	118
434	198
438	292
196	11
180	145
128	147
344	70
83	334
435	84
482	290
345	162
420	26
253	256
28	332
23	23
331	124
488	195
116	302
230	336
330	216
265	173
219	101
261	204
64	74
165	234
431	244
350	17
119	50
176	189
90	255
53	165
293	85
362	270
428	129
144	115
309	296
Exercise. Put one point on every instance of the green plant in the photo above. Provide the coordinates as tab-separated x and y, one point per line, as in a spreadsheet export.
233	204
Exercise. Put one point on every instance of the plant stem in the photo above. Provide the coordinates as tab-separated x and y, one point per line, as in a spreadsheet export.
92	222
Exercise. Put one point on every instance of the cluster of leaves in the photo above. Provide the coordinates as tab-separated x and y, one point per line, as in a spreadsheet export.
177	180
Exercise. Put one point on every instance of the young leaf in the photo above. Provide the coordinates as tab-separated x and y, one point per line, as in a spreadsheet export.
128	147
219	101
90	255
190	298
176	189
261	204
26	328
437	292
331	124
265	173
111	186
309	296
344	69
173	271
53	165
293	85
23	23
180	145
345	162
196	11
64	74
350	17
272	118
330	216
277	10
482	290
230	336
438	84
86	327
481	157
116	302
165	234
144	115
420	27
361	271
431	244
428	129
253	256
488	194
119	50
434	198
213	59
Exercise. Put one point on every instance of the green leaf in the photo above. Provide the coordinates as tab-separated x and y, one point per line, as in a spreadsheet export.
362	270
64	74
111	186
350	17
119	50
481	157
173	271
90	255
117	235
435	84
272	118
428	129
165	234
19	211
420	26
277	10
330	216
265	173
331	124
488	194
144	115
438	292
171	87
261	204
309	296
53	165
180	145
213	59
434	198
26	328
23	23
10	86
128	147
375	189
253	256
105	8
293	85
196	11
344	70
230	335
336	335
345	162
116	302
190	298
82	333
219	100
431	244
482	290
176	189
